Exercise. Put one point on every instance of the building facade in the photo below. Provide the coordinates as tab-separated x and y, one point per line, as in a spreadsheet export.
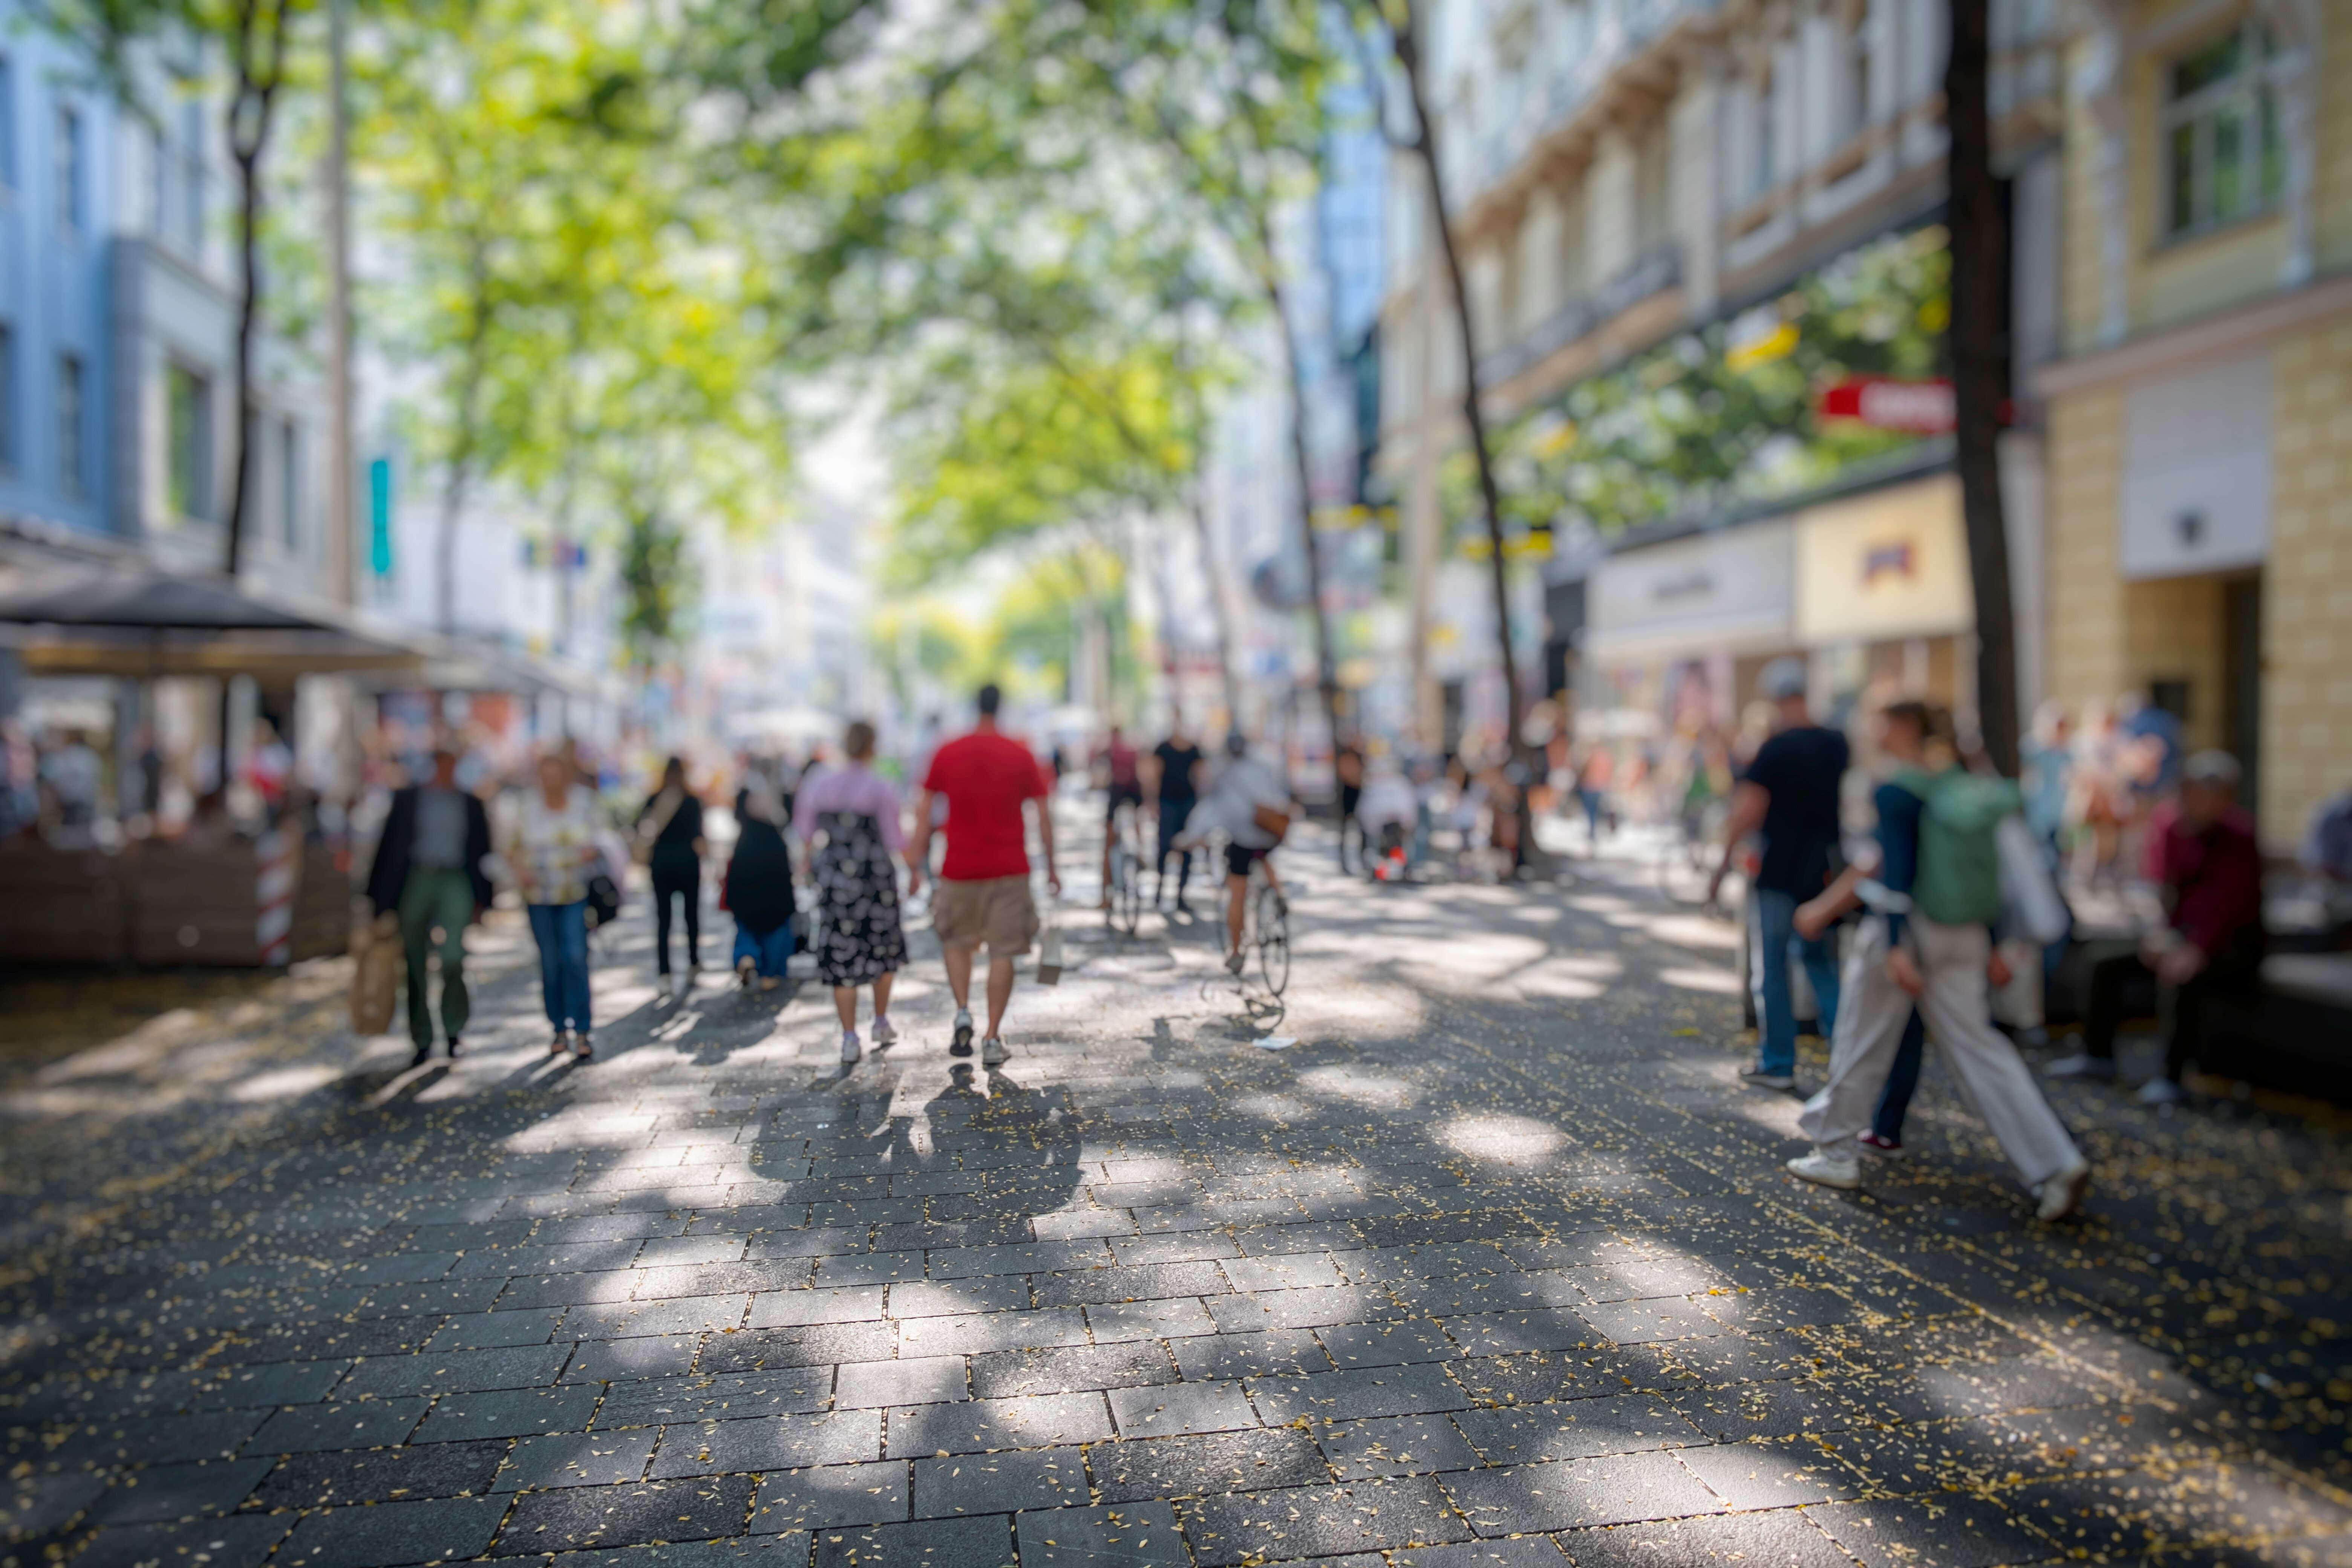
2201	524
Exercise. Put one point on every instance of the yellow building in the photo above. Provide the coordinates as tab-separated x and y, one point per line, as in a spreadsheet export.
2198	543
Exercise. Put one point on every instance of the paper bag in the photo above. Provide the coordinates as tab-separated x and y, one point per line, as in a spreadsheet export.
375	973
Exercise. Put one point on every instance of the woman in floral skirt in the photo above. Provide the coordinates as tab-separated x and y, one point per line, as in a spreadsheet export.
861	940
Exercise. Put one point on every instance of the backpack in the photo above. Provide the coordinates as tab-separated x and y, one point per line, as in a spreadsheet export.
1959	864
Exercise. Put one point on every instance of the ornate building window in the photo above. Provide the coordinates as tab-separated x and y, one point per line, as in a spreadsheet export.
2224	158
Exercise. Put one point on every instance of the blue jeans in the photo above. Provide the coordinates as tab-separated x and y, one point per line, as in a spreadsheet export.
562	933
1902	1080
1776	914
766	950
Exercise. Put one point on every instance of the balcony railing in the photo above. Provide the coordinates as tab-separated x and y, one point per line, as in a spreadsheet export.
1653	271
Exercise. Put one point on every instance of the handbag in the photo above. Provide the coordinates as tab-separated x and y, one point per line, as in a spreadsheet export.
375	973
650	827
604	900
1269	820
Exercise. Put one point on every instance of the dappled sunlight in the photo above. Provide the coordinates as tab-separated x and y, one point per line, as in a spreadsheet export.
1359	1086
1692	930
1515	1140
1711	982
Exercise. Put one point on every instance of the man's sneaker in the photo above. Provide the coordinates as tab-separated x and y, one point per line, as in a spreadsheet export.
1884	1147
961	1046
849	1051
424	1054
2081	1065
2062	1195
1757	1078
1234	962
993	1051
884	1035
1827	1170
456	1047
2161	1091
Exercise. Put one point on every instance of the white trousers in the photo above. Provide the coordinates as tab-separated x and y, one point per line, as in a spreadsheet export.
1872	1011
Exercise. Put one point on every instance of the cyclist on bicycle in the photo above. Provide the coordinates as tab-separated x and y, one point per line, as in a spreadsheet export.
1246	792
1118	761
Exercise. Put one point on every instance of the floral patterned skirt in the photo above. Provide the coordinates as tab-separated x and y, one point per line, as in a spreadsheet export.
857	897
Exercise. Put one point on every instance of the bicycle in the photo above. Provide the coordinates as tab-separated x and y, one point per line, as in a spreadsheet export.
1686	863
1268	929
1123	903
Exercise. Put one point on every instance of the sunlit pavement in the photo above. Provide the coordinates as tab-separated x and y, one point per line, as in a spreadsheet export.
1494	1264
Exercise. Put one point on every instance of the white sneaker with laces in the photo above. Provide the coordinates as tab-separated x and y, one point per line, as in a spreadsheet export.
849	1051
2062	1195
2161	1091
884	1035
960	1044
1828	1170
993	1051
2081	1065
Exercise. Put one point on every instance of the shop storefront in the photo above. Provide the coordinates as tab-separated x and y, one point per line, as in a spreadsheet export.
1883	602
1676	631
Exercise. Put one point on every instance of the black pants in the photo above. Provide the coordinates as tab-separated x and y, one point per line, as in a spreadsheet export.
2124	988
1350	796
679	881
1173	813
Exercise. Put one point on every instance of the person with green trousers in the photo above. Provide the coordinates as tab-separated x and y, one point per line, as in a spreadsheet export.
428	869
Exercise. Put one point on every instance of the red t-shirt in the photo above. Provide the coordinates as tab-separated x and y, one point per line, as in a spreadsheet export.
985	778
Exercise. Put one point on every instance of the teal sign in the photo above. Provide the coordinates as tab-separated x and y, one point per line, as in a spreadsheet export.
380	516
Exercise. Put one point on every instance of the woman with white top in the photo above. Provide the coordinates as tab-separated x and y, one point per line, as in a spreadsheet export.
553	854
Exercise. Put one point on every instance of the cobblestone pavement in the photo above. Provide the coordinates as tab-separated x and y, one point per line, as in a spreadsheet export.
1493	1267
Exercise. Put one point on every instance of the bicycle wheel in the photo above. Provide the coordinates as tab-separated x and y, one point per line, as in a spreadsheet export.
1127	900
1273	923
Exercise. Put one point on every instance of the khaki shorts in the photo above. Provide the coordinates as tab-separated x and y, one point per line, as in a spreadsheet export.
998	911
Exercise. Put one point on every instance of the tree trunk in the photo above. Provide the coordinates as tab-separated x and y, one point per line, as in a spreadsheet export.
1326	679
1980	266
249	312
1408	55
1200	510
461	451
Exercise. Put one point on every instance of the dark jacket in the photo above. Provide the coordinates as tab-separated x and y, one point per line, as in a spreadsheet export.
673	846
389	875
760	876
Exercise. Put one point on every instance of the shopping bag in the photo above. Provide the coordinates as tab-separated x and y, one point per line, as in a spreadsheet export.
1049	952
376	971
2032	905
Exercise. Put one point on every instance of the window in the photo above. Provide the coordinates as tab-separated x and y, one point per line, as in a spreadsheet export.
189	430
71	479
1852	106
181	171
2222	152
1768	127
69	170
289	485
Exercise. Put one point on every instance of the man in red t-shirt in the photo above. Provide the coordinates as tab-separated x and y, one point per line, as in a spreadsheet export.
983	896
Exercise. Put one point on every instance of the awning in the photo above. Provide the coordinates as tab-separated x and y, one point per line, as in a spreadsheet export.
137	621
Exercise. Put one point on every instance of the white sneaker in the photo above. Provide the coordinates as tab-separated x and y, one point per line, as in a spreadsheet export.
884	1035
2161	1091
849	1051
2081	1065
1827	1170
993	1051
2062	1195
960	1044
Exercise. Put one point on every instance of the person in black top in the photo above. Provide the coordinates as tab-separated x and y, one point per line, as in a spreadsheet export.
760	881
428	869
1790	791
1176	786
670	842
1347	764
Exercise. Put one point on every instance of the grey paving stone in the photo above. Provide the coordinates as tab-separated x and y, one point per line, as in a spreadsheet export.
1526	1551
1386	1345
576	1459
976	1425
573	1519
1518	1332
1621	1489
924	1543
1576	1429
1305	1309
249	1387
1174	1246
831	1495
1141	1283
621	1361
843	1270
1268	1354
307	1428
687	1315
1642	1278
1639	1322
34	1503
1000	1482
161	1493
768	1443
1320	1521
1469	1295
976	1333
1351	1395
241	1541
1952	1532
1175	1319
495	1331
443	1371
1128	1535
153	1439
1187	1466
1784	1538
1181	1410
944	1298
380	1475
817	1345
922	1380
1745	1358
1068	1369
1017	1257
514	1413
1778	1408
1395	1445
1772	1472
444	1529
788	1551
